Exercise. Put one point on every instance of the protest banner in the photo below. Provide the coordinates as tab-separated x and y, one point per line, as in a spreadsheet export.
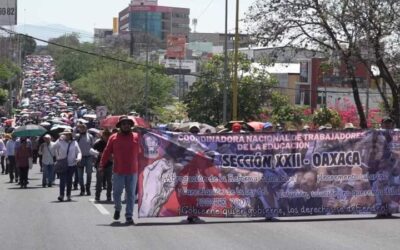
269	174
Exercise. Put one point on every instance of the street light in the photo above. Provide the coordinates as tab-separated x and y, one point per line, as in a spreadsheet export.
225	100
235	76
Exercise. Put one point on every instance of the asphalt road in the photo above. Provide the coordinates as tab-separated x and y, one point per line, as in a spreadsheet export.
32	218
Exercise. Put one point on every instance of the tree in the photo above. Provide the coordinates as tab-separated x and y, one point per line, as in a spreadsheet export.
283	112
326	115
3	96
69	40
171	113
341	27
205	98
28	45
121	89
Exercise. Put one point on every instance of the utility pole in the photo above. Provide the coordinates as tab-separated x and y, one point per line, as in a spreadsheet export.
235	76
225	100
132	41
146	90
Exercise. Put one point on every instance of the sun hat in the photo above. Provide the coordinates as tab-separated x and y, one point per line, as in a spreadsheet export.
123	119
267	125
387	119
349	125
66	132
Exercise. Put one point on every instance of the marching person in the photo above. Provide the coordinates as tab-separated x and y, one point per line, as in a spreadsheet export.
106	175
47	153
66	147
10	147
35	148
124	146
85	141
3	152
22	155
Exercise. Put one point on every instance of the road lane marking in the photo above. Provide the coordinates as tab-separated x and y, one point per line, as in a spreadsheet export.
100	207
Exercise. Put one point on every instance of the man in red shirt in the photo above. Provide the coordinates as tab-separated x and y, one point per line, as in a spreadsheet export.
124	146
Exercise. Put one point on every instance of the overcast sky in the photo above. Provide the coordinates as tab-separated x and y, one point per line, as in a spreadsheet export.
88	14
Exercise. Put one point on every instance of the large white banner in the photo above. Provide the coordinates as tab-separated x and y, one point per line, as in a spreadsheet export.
8	12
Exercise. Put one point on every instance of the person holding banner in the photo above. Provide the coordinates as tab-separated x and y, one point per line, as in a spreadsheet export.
124	146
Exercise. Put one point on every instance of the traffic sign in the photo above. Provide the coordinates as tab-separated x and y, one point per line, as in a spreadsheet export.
8	12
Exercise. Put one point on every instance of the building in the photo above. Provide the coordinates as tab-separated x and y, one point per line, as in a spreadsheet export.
218	39
161	21
183	72
319	85
279	54
287	76
101	34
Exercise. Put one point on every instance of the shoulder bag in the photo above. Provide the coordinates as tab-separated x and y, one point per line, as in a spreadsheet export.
61	166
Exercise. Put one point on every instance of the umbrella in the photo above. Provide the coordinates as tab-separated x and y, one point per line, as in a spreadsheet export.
111	121
257	126
94	131
82	120
204	127
184	127
29	130
245	126
9	122
58	128
90	116
45	124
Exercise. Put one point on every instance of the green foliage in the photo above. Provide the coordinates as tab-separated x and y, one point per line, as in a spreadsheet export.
3	96
28	46
327	115
8	71
175	112
284	112
205	98
122	89
70	40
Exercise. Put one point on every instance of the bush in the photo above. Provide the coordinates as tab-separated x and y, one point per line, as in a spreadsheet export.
327	115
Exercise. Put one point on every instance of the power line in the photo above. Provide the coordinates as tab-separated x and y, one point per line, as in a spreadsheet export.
205	9
78	50
162	71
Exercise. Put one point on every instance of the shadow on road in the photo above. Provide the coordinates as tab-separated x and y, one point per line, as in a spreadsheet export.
116	224
19	188
104	202
201	222
274	220
62	202
336	219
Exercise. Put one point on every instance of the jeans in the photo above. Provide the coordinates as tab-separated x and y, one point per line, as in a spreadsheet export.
48	174
3	167
107	177
66	180
24	175
12	167
34	156
86	165
129	183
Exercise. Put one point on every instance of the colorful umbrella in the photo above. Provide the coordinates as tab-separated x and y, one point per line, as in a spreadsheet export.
257	126
111	122
29	130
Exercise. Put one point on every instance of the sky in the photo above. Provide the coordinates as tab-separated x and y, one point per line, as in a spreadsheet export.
89	14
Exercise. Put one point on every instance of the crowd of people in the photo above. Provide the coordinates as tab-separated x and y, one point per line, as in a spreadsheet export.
73	148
